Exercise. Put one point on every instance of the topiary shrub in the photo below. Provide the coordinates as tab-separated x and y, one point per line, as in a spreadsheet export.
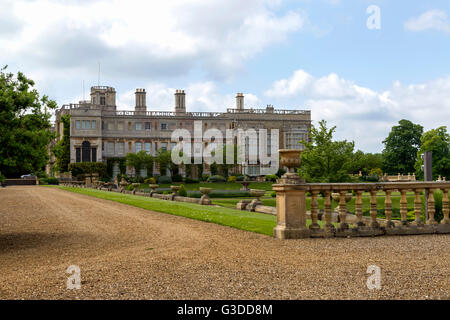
231	179
216	178
129	187
150	180
280	172
177	178
271	177
190	180
182	191
164	180
239	177
52	181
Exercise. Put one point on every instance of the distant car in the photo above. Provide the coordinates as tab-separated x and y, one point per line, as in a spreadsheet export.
28	176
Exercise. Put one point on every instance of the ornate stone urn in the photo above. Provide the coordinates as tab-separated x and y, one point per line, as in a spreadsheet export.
205	198
174	191
257	193
153	187
290	158
257	201
245	184
123	184
135	185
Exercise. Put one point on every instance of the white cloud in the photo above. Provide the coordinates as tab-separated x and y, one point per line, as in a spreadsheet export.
144	38
362	114
430	20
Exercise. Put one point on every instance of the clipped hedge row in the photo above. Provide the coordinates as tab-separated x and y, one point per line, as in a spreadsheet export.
48	181
88	168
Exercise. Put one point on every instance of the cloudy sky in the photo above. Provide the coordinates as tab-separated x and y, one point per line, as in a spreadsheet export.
318	55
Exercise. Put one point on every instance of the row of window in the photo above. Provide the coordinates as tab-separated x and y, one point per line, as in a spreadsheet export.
85	124
119	147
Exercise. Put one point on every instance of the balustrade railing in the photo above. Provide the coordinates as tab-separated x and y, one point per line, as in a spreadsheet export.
371	225
292	215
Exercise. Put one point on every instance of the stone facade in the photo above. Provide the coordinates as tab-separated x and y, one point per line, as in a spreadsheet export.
99	131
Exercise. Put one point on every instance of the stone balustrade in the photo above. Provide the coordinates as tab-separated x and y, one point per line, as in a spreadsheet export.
292	216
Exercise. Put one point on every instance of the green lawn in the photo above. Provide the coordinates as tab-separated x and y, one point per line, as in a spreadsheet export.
216	185
244	220
231	203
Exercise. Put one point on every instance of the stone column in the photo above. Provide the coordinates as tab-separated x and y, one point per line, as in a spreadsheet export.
373	209
418	207
314	210
291	210
291	200
445	207
328	227
358	208
343	225
431	209
388	209
403	207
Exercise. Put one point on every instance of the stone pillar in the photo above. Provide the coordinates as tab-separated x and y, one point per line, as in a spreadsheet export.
358	208
328	227
291	200
388	209
291	210
403	207
343	225
314	210
418	207
445	207
373	209
431	209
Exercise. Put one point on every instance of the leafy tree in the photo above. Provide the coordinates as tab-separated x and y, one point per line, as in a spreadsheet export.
401	146
438	142
365	162
164	159
61	149
139	161
24	125
323	159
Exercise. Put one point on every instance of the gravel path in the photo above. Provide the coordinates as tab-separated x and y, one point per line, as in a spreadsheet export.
126	252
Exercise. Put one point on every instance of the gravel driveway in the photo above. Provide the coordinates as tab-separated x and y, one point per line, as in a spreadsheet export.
130	253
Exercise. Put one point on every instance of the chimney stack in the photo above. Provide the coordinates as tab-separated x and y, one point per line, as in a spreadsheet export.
240	101
141	105
180	102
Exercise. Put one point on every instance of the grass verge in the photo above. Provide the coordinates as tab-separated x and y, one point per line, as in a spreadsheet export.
243	220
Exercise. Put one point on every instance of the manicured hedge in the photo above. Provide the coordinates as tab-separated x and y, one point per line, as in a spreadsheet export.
48	181
164	180
88	168
217	178
221	194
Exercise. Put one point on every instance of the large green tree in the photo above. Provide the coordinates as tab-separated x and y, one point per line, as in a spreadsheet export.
25	128
61	149
323	159
438	142
365	162
401	146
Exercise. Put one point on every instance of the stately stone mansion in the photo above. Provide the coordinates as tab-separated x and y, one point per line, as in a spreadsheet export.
98	130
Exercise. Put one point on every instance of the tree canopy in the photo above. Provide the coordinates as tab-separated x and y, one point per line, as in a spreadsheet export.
438	142
323	159
24	125
401	146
